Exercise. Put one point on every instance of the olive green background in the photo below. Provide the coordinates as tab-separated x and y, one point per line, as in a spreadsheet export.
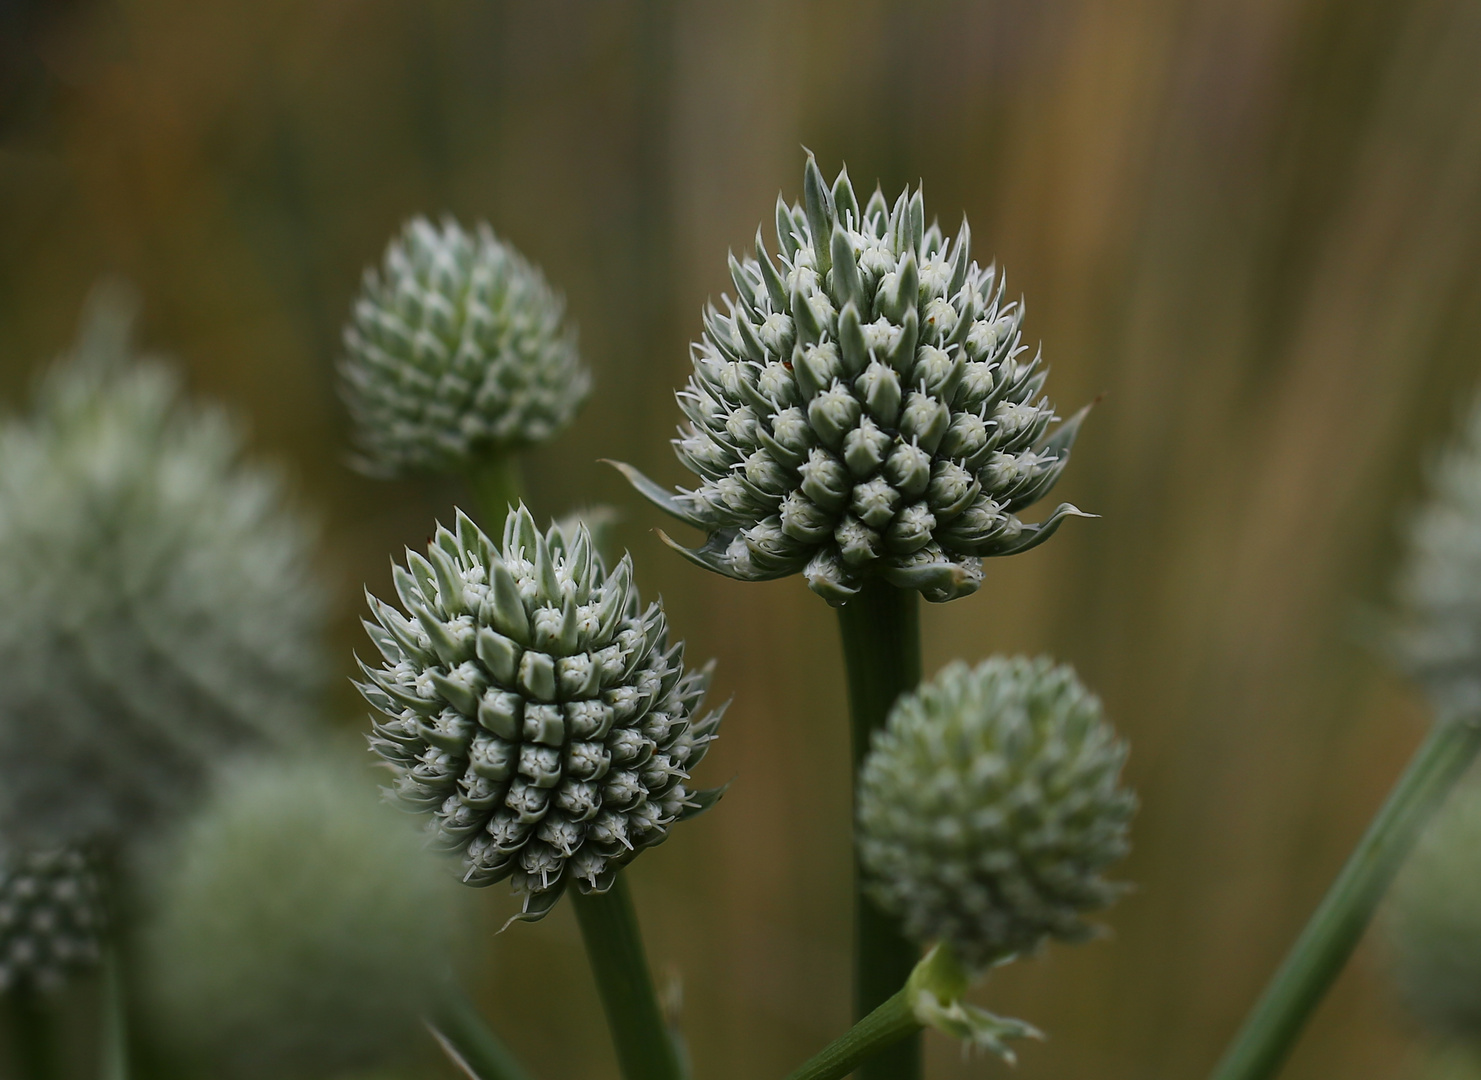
1253	225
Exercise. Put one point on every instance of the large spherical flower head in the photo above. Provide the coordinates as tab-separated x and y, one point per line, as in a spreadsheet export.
535	708
159	608
864	408
988	806
51	917
1439	641
456	348
1434	922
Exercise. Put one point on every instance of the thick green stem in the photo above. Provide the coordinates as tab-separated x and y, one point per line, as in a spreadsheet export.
497	488
1334	929
614	945
469	1043
30	1033
881	650
882	1029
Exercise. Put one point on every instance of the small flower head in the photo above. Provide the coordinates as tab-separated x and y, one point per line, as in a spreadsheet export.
989	805
298	926
51	917
457	348
1440	582
864	407
1434	920
534	708
159	610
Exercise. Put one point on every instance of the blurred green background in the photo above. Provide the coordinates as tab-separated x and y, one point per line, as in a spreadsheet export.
1255	225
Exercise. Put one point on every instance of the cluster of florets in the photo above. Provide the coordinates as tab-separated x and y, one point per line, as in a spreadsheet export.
159	609
535	708
864	408
455	349
51	917
988	806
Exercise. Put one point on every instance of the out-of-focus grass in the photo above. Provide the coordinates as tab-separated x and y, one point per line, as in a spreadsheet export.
1254	226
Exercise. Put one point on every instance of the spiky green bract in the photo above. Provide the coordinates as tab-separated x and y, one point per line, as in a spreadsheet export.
1439	584
534	708
51	917
457	348
158	606
863	408
1434	920
989	805
299	926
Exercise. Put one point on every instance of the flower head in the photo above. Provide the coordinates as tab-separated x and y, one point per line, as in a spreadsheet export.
864	408
51	917
534	708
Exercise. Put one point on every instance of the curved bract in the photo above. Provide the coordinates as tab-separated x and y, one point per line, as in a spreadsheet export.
864	407
988	806
534	708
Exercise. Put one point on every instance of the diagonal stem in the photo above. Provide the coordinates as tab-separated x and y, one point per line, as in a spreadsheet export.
468	1041
646	1050
866	1041
1332	933
880	628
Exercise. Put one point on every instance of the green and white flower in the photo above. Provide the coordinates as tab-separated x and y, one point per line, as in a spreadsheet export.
51	918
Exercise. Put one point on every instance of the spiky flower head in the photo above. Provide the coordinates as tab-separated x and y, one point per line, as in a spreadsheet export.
864	408
1434	922
51	917
298	926
158	606
534	708
1439	584
988	806
457	348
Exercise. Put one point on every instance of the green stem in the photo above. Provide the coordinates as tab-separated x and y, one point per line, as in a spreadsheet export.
614	945
883	1028
881	650
30	1032
497	488
1334	929
113	1056
469	1043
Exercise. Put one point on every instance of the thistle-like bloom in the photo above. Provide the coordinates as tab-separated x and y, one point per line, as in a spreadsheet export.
298	927
158	606
535	708
988	806
457	348
1440	582
51	917
1434	920
864	408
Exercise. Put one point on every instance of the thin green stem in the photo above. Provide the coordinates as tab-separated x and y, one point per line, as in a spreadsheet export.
881	1030
1338	922
470	1043
30	1032
113	1049
497	487
881	650
609	926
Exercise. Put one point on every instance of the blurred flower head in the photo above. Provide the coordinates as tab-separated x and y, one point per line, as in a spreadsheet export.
51	917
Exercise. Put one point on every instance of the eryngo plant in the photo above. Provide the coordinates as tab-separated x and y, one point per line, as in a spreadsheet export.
51	917
158	607
1434	921
298	926
456	348
1440	581
864	408
990	804
534	708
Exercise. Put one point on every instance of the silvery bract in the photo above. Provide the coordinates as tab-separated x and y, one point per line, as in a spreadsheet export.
457	348
1435	921
51	917
988	806
864	408
1439	641
298	927
534	708
158	608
